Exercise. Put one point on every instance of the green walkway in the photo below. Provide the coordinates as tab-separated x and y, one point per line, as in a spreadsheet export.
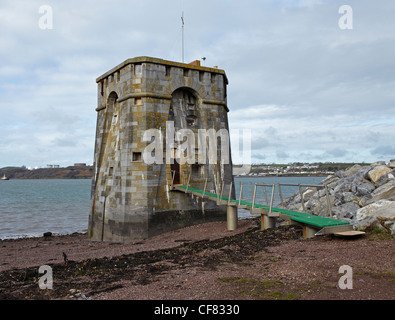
301	217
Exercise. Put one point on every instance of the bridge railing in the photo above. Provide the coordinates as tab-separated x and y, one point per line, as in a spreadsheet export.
280	194
270	203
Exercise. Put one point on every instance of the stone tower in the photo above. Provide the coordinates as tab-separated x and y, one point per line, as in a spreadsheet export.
146	102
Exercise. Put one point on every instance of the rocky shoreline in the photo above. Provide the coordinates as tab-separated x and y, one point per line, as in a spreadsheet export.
361	195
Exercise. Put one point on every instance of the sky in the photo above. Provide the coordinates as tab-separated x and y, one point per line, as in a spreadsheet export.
308	89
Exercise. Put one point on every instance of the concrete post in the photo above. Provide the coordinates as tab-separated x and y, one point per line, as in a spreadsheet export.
231	218
308	232
267	222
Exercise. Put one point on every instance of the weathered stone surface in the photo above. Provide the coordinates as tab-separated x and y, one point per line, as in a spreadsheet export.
361	195
382	180
365	188
333	183
309	193
369	215
340	174
377	172
317	206
392	163
342	187
386	191
347	210
354	169
378	163
349	197
130	196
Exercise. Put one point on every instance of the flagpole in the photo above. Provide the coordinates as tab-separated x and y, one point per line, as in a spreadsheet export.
182	19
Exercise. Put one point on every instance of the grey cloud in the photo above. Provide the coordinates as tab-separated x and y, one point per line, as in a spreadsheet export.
384	150
337	153
304	86
280	154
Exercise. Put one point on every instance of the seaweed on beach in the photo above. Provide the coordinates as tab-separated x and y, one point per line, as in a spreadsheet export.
105	274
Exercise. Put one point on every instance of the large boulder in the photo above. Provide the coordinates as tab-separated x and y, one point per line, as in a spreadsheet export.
375	214
386	191
365	189
350	197
352	170
346	211
377	172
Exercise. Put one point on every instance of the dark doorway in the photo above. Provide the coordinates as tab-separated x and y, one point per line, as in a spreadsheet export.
175	168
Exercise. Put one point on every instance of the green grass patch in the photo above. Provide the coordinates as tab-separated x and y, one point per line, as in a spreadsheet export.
259	289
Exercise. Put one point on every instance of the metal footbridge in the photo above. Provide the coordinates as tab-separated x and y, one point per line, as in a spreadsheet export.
312	225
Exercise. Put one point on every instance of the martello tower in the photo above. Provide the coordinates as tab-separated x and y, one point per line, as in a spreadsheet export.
131	197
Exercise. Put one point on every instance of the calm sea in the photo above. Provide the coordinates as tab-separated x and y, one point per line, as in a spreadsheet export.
32	207
29	208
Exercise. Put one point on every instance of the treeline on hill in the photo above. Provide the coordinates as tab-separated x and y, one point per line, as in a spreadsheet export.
338	166
72	172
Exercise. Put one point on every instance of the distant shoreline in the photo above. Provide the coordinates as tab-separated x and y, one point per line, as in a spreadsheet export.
71	172
82	171
284	175
255	177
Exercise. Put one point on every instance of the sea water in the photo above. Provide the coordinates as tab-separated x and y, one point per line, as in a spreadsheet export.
31	207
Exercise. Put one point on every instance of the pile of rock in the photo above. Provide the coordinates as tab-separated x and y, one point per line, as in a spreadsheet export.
361	195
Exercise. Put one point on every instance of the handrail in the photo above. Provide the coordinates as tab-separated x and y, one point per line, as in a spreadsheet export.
329	206
264	188
302	185
238	202
269	215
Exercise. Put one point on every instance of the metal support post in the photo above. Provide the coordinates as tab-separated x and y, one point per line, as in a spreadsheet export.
253	197
271	200
264	191
222	191
189	178
301	197
328	200
281	195
173	173
241	193
204	190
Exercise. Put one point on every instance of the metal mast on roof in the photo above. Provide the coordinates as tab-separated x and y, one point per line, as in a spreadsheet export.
182	19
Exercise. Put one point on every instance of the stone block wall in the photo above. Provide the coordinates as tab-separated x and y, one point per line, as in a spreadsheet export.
130	198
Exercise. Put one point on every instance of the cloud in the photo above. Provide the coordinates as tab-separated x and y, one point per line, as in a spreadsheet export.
280	154
337	152
307	90
384	151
